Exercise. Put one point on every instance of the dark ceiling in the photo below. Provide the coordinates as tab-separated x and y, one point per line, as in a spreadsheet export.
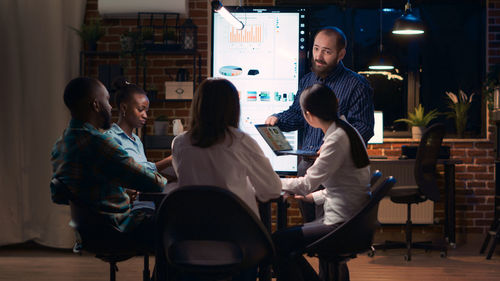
370	3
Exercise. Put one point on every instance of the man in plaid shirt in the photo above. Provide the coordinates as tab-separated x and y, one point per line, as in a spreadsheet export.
94	167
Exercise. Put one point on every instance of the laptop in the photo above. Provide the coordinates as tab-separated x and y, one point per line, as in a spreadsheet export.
278	143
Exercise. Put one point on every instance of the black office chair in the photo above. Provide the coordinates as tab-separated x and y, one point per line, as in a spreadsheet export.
426	189
98	235
375	177
208	233
353	237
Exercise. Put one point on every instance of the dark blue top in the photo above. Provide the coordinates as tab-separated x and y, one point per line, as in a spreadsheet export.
355	97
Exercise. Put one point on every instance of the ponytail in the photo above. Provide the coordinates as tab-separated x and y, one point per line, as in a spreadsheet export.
358	148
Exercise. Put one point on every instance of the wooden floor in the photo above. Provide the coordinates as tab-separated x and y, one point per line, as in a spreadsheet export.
463	263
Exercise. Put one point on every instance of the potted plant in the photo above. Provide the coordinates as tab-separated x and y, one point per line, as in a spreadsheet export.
171	38
491	88
90	34
459	105
130	42
419	120
161	126
148	35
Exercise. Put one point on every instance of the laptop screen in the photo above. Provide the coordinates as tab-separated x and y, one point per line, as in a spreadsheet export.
274	137
378	129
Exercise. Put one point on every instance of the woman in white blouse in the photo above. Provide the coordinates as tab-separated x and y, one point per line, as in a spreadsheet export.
342	168
215	152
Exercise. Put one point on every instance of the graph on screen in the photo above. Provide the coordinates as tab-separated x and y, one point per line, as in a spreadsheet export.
250	34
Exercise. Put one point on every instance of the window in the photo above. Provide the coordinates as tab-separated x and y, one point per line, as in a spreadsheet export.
450	56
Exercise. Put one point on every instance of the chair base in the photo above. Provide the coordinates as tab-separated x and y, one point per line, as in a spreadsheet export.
336	269
113	268
426	245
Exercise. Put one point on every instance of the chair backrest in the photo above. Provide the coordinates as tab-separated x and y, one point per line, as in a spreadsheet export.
206	231
375	177
97	232
356	234
425	163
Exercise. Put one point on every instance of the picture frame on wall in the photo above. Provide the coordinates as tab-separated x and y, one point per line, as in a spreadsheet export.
178	90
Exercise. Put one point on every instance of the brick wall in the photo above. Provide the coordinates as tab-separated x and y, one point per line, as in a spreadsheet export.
475	177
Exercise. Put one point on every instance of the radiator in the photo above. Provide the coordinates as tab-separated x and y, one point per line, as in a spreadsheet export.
389	212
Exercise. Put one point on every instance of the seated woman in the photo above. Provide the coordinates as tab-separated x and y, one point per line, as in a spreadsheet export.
133	104
342	168
215	152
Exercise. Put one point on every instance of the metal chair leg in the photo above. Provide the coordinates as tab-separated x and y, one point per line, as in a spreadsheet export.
486	241
496	240
112	271
408	234
145	273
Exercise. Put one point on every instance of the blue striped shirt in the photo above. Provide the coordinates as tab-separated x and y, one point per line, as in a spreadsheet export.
355	97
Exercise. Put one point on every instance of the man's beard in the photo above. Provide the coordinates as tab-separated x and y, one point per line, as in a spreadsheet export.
324	70
106	120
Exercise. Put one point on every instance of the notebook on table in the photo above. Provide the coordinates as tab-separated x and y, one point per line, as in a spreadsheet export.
276	140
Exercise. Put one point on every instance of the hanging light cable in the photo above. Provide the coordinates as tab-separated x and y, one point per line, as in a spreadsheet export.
408	23
382	62
219	8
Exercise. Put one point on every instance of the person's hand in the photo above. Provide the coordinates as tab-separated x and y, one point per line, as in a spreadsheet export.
271	120
286	195
132	194
308	198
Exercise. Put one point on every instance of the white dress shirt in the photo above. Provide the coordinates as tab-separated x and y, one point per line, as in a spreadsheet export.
346	186
237	164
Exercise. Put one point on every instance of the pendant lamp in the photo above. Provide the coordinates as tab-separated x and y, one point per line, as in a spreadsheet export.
219	8
382	61
408	23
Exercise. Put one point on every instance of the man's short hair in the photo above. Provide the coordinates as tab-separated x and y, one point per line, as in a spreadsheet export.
78	90
339	34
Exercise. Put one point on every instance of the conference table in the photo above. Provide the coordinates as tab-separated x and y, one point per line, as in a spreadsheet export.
402	170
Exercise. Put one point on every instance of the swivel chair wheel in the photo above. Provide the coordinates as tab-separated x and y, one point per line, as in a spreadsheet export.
443	254
371	253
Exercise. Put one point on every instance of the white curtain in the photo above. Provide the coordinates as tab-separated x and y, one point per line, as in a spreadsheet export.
38	55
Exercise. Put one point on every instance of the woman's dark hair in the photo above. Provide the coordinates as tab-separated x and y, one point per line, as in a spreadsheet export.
215	108
125	90
321	102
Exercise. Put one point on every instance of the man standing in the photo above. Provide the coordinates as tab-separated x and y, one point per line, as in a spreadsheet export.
352	90
94	168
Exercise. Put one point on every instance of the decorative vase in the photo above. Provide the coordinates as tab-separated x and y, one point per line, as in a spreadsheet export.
178	128
416	132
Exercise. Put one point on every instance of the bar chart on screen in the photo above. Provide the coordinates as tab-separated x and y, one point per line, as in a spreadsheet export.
249	34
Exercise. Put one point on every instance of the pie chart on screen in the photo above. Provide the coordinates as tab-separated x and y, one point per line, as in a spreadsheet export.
230	70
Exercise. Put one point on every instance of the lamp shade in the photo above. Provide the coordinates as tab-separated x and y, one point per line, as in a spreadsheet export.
381	62
219	8
408	24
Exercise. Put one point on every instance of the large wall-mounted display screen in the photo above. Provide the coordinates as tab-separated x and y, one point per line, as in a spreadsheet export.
265	61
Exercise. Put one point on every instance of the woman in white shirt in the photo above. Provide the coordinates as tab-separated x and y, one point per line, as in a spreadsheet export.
342	168
215	152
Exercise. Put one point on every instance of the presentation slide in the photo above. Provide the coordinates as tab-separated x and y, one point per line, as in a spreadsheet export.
262	61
